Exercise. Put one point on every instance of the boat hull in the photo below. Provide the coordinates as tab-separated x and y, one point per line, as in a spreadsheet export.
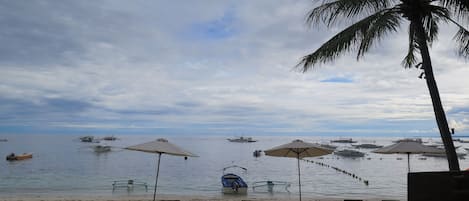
233	184
19	157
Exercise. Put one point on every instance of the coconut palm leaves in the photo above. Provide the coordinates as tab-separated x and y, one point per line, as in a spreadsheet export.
372	20
361	35
380	17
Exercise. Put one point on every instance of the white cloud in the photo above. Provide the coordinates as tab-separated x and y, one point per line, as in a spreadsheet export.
139	65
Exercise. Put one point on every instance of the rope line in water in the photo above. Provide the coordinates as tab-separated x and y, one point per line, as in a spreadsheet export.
366	182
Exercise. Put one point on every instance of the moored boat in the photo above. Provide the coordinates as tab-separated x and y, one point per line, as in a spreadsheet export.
349	153
87	138
242	139
328	146
232	183
343	140
14	157
109	138
101	148
418	140
257	153
367	146
443	155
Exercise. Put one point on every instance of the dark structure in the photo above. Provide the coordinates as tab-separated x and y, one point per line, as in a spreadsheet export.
438	186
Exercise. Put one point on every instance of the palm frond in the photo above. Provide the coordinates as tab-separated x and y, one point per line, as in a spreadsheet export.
430	21
410	59
431	28
387	22
332	10
360	35
459	7
462	37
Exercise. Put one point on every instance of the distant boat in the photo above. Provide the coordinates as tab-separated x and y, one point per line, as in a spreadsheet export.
242	139
89	139
101	148
418	140
367	146
109	138
328	146
349	153
13	157
3	140
257	153
443	155
343	140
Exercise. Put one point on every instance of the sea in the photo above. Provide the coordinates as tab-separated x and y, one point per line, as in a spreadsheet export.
63	165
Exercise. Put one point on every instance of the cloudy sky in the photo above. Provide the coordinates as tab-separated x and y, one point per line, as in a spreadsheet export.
208	67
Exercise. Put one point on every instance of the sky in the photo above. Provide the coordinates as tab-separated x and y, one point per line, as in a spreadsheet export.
209	67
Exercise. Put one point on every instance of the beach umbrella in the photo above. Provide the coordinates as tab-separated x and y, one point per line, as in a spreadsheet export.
408	147
298	149
160	146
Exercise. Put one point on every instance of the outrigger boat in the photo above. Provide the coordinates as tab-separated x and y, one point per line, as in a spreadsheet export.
232	183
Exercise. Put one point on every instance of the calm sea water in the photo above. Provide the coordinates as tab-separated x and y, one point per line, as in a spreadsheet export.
62	165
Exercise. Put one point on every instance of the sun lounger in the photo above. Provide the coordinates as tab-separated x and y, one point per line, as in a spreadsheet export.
129	184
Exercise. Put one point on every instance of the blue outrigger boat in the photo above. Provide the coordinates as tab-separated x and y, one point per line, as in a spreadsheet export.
232	183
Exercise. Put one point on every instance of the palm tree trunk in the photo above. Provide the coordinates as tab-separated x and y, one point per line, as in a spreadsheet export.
435	96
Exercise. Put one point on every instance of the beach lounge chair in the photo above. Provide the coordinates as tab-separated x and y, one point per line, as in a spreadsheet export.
129	184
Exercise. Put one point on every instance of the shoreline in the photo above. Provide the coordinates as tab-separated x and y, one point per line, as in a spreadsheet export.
165	197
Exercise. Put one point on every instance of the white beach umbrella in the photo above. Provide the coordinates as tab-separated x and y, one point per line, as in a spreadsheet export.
160	146
408	147
298	149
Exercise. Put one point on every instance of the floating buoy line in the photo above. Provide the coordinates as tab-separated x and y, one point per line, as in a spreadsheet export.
366	182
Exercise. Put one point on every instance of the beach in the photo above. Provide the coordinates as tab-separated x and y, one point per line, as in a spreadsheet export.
164	198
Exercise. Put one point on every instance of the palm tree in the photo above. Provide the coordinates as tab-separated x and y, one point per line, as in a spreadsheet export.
374	19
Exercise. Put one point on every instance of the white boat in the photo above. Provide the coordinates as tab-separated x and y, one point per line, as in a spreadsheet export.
101	148
232	183
242	139
418	140
89	139
343	140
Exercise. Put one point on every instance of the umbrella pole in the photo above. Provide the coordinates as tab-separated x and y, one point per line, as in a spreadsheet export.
157	173
299	178
408	162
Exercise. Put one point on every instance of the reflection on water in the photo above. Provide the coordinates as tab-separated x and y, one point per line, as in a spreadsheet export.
63	165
